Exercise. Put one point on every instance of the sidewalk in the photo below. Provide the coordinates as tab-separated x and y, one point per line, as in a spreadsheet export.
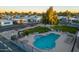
8	34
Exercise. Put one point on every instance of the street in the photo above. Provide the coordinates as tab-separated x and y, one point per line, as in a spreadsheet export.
7	46
15	27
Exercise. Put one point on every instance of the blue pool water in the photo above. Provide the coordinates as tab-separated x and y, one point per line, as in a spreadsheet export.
45	42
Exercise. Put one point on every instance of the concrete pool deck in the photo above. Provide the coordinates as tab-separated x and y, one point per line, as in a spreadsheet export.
61	45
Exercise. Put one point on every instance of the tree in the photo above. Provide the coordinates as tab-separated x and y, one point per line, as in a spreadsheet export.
11	13
30	13
34	13
45	18
50	17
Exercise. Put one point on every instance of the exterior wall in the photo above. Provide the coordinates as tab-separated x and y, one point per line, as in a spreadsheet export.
20	21
25	21
5	23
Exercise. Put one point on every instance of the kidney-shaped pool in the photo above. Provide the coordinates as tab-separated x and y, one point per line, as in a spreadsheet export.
46	42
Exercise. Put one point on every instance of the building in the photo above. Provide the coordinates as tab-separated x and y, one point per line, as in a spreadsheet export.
7	17
27	19
38	19
6	22
34	18
18	20
63	19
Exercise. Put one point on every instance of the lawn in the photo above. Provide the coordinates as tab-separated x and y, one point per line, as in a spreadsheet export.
38	29
65	29
76	22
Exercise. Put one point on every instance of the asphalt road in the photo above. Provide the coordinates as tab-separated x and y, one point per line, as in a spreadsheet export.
7	46
15	27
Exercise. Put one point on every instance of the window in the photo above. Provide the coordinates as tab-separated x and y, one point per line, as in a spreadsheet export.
6	22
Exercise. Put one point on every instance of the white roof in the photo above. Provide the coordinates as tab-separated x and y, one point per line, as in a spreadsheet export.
60	17
16	19
4	20
73	19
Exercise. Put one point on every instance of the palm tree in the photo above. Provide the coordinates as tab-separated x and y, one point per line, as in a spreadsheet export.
52	16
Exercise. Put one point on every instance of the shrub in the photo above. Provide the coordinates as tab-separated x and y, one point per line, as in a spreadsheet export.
65	29
36	29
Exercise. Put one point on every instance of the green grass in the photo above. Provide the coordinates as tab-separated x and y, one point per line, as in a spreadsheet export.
76	22
38	29
65	29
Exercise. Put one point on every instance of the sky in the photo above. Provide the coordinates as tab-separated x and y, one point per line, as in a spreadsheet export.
24	8
38	8
70	8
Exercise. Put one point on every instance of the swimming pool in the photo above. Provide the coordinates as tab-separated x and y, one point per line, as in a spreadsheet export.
45	42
